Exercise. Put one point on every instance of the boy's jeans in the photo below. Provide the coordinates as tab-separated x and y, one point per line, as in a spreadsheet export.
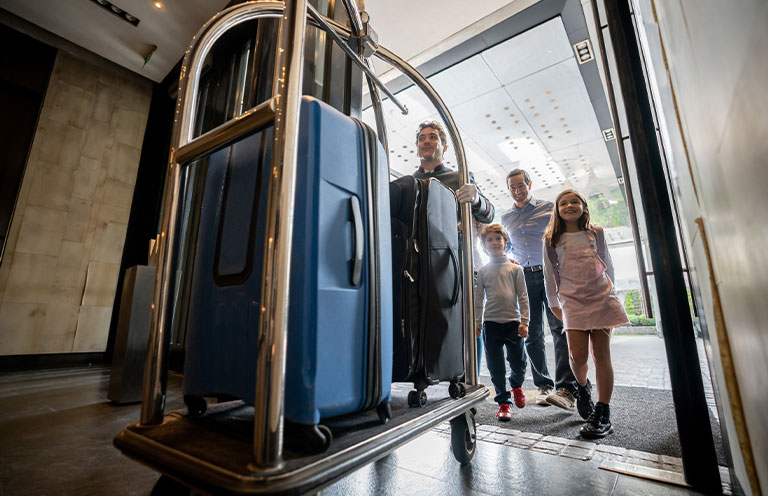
497	337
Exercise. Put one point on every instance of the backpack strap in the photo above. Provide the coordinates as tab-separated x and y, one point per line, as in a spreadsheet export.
600	242
552	255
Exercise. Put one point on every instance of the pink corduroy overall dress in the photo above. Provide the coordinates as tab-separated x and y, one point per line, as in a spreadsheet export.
585	290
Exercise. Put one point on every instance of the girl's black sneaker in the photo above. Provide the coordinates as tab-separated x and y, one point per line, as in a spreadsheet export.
599	422
584	399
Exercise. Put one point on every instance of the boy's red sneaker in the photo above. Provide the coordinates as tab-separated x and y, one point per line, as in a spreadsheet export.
518	395
504	414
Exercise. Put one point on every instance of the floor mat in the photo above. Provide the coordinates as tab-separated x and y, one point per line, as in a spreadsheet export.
643	419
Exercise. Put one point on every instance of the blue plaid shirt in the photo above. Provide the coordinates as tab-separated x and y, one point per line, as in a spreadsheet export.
526	227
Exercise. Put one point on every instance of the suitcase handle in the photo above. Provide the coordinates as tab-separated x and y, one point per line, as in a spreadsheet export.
456	281
357	219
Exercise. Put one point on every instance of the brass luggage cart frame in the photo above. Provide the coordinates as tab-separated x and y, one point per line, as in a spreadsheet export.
163	441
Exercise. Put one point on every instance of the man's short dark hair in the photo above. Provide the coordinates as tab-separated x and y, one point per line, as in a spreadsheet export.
517	172
433	125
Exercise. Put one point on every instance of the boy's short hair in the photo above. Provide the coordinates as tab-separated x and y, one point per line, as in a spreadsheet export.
494	228
436	126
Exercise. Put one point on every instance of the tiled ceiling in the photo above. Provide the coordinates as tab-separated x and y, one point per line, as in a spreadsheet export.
522	103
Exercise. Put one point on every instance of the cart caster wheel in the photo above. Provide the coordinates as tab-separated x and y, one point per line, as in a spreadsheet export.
196	405
417	399
384	410
462	390
463	437
454	391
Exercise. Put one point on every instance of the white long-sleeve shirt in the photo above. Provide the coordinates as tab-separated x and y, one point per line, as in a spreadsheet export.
501	285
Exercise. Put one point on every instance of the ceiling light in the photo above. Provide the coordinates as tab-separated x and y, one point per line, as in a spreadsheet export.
158	5
583	50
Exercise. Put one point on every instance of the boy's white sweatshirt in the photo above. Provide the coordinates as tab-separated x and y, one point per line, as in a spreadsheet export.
501	284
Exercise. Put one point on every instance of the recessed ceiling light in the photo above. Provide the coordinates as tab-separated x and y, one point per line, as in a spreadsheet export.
114	9
158	5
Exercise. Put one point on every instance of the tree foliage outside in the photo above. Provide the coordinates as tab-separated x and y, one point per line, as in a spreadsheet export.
633	304
608	212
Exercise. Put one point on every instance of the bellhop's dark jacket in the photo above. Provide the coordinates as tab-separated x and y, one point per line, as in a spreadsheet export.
483	213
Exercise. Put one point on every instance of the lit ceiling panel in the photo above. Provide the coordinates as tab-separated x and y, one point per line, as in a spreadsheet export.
520	104
529	52
556	104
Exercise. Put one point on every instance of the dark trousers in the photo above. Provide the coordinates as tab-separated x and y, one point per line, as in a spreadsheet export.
534	343
497	337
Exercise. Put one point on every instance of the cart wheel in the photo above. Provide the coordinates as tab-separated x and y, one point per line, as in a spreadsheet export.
196	405
462	390
463	437
385	412
454	390
417	399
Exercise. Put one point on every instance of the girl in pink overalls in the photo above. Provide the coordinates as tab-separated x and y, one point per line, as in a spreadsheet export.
578	276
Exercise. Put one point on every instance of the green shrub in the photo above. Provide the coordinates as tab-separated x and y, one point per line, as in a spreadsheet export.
640	320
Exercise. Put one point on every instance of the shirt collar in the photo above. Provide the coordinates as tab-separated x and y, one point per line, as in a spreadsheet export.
438	169
532	203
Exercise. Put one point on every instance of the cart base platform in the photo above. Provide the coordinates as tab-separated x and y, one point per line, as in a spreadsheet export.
213	453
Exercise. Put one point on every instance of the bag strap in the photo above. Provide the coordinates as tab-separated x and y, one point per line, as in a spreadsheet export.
552	255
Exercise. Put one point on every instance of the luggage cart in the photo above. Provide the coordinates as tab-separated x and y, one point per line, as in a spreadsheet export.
239	448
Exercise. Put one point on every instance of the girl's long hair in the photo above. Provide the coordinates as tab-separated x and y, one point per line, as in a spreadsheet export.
556	224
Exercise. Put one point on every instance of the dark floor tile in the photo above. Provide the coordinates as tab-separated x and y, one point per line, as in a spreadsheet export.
56	434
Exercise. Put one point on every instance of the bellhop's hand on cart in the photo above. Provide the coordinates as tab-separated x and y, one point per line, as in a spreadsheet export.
468	194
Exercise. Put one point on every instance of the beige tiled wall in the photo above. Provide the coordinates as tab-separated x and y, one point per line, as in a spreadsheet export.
59	272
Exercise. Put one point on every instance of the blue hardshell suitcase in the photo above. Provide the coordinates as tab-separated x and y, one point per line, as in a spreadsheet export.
338	360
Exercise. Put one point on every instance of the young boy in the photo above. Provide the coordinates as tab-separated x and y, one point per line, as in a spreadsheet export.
501	284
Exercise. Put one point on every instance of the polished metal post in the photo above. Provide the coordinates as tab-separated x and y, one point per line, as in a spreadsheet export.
273	329
153	390
470	357
327	26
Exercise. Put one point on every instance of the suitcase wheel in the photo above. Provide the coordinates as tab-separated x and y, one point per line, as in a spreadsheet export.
385	412
319	439
457	390
417	398
196	405
304	438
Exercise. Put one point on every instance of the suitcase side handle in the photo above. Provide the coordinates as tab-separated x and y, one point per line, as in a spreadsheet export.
457	279
357	220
